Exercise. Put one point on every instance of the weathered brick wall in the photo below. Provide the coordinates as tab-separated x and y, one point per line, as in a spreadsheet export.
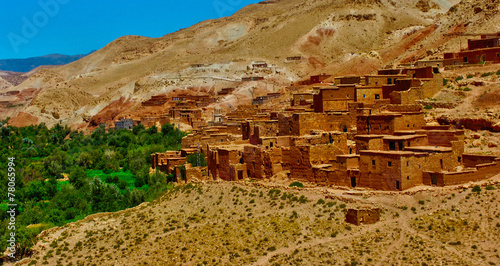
227	160
484	171
324	153
367	95
300	165
409	121
331	177
471	160
335	105
253	158
285	125
444	137
381	176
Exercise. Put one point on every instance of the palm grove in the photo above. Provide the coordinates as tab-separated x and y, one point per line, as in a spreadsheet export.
64	175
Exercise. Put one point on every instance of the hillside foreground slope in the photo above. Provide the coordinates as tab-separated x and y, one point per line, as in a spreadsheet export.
254	223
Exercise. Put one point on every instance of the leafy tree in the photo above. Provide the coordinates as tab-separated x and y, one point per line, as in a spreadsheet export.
138	129
78	177
122	184
196	159
166	129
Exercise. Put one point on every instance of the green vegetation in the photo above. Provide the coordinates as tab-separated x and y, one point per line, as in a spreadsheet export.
445	81
476	189
498	72
196	159
428	107
459	78
296	184
107	172
470	76
487	74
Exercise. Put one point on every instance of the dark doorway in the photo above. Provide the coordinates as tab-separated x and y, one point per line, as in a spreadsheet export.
434	179
401	145
240	175
398	185
353	182
392	145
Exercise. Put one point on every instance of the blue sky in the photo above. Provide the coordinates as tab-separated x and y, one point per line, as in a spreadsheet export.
39	27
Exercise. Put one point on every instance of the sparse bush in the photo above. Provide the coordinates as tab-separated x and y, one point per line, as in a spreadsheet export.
459	78
428	107
476	189
320	202
467	89
498	72
486	74
470	76
296	184
445	81
490	187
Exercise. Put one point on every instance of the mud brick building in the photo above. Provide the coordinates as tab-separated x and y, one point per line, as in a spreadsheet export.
226	163
362	216
302	123
167	162
158	100
266	98
486	49
301	99
335	98
319	78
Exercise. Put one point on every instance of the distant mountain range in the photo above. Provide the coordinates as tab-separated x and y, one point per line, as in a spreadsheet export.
28	64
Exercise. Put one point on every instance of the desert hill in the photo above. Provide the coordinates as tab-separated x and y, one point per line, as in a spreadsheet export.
337	37
271	224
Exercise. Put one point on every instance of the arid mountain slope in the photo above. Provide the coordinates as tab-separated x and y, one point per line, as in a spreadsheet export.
338	37
251	224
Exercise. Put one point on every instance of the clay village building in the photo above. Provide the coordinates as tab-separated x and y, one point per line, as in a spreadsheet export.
351	131
480	51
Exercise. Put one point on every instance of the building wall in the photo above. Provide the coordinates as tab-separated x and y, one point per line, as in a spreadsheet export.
481	55
227	160
482	172
381	176
302	124
253	158
483	43
368	95
299	162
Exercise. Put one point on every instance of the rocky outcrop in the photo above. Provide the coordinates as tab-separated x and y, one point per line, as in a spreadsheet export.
470	123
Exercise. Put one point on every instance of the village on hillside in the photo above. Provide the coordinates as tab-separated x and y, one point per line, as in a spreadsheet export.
351	131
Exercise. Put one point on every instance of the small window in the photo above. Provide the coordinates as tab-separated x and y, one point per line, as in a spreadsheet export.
347	95
419	167
407	163
377	96
364	96
408	178
373	162
459	159
389	164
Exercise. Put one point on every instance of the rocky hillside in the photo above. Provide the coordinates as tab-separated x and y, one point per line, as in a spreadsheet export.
256	224
338	37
